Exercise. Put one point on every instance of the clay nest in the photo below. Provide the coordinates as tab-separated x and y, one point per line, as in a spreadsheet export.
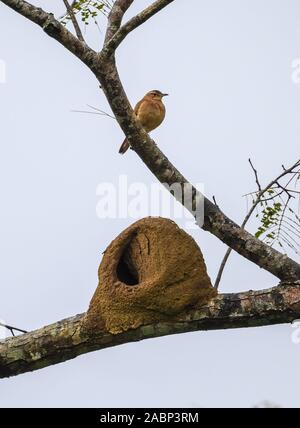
151	272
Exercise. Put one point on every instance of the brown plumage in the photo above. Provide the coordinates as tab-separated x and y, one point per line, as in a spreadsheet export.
150	111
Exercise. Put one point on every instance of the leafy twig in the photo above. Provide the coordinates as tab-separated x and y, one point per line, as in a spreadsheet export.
74	20
272	216
88	9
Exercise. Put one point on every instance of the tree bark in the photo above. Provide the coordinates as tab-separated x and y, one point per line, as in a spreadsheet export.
67	339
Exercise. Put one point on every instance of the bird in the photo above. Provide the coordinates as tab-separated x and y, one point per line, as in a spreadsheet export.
150	111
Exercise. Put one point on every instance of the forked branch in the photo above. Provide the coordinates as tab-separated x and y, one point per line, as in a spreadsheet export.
116	34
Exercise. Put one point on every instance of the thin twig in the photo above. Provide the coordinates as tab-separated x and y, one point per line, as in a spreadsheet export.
222	267
12	329
277	194
74	20
104	113
256	175
98	112
288	226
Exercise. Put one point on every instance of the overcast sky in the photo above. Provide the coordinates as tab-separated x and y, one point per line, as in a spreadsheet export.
227	68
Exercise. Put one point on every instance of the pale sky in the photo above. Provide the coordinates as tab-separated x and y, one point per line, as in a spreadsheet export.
227	68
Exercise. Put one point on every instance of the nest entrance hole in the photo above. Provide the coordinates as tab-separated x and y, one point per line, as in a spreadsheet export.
127	270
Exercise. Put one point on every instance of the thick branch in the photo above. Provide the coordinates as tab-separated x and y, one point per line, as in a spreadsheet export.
215	221
116	37
54	29
66	339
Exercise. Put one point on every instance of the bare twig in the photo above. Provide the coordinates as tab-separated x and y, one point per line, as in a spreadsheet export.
256	175
222	267
97	112
102	112
73	19
12	329
215	201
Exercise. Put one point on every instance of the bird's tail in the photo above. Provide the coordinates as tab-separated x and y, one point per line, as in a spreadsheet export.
124	147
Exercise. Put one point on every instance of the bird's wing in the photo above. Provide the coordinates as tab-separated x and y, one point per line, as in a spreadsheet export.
138	106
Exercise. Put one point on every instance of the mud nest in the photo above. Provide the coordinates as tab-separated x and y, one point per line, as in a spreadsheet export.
151	272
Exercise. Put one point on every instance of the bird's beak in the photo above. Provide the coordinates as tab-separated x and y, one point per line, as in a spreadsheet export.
165	95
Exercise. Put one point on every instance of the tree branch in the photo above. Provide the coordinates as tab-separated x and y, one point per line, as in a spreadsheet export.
215	221
256	175
71	14
222	267
66	339
54	29
116	37
115	17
